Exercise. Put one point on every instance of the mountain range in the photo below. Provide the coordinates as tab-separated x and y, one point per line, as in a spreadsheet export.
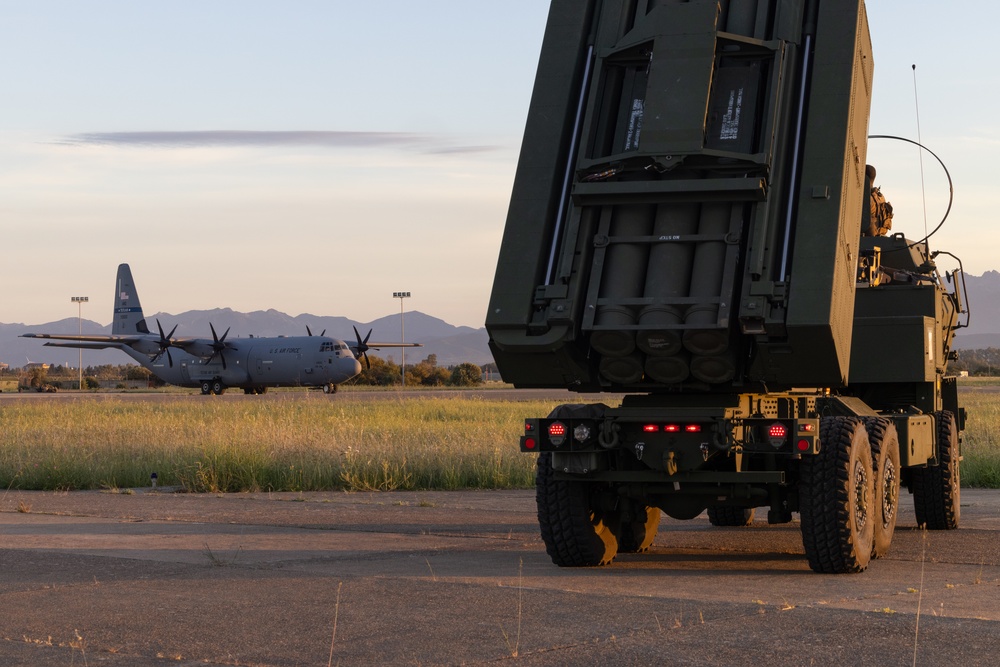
451	344
983	300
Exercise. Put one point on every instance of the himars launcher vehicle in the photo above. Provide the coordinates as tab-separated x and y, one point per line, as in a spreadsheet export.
685	229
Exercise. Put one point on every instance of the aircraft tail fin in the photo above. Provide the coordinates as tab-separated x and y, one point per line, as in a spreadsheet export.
129	319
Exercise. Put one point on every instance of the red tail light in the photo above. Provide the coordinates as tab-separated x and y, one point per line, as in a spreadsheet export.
557	433
777	433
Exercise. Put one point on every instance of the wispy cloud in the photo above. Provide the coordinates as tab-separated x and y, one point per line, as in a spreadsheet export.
454	150
274	139
235	138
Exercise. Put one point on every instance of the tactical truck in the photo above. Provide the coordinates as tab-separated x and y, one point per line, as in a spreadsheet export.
685	230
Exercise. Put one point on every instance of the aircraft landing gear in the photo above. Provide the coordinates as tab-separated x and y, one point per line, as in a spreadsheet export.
255	390
214	387
330	388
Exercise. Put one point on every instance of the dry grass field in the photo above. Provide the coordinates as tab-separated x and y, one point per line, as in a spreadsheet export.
310	445
300	445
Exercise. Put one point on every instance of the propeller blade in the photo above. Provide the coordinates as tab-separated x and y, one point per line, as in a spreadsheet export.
218	345
219	339
165	343
362	347
220	355
362	344
309	331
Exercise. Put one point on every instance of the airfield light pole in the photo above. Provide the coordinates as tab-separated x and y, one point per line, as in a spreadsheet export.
402	333
79	301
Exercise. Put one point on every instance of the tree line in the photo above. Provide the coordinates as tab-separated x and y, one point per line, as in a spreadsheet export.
427	373
984	362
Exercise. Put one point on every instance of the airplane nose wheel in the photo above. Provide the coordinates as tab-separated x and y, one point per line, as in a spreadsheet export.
329	388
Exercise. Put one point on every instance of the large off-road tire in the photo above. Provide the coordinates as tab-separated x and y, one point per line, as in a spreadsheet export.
937	491
574	530
637	529
725	515
885	455
836	498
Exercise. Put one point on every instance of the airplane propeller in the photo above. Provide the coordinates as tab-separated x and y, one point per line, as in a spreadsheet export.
165	343
309	331
218	346
363	347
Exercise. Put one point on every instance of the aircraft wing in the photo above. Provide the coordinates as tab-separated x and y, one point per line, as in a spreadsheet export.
109	341
360	348
189	344
202	347
86	346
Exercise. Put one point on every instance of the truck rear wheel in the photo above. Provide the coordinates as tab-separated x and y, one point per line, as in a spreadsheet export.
836	498
937	491
885	455
576	532
724	515
637	530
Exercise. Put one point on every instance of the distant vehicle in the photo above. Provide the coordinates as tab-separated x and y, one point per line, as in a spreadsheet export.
215	364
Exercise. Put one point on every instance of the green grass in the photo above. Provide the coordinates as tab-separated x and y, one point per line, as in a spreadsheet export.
288	445
981	440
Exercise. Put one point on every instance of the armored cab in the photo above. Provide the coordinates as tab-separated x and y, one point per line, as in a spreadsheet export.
685	228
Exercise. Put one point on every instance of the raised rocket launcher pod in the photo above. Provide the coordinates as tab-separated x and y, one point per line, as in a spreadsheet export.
685	228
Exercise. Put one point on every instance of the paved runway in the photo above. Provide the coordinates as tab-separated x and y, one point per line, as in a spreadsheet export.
462	578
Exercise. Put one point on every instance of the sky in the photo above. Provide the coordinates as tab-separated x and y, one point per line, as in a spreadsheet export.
318	156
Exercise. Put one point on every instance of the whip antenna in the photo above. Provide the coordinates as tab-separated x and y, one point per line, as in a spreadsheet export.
920	153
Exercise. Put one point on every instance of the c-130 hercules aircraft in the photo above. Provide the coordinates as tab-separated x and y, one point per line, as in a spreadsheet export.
215	364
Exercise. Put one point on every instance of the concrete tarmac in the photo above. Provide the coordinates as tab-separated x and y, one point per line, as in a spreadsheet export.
436	578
